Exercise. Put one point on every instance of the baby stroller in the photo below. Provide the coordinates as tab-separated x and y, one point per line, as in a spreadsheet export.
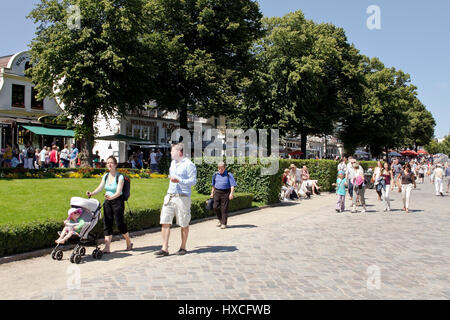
91	215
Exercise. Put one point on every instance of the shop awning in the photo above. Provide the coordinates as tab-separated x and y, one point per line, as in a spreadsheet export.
50	131
121	137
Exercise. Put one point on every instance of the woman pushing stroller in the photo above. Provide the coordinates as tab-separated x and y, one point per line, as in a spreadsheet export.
114	205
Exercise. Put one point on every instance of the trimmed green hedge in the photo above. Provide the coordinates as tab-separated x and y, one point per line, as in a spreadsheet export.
164	165
33	236
325	171
267	188
248	178
368	164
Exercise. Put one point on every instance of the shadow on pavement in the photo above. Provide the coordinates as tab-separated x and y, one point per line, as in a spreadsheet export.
214	249
243	226
145	250
106	257
402	211
287	203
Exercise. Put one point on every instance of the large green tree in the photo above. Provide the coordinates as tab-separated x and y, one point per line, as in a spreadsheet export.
434	146
203	53
446	145
98	67
380	121
420	130
307	75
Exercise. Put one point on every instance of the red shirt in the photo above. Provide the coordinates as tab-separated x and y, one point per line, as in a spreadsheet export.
54	156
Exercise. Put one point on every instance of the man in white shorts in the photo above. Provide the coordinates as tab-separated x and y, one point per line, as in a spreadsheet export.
177	202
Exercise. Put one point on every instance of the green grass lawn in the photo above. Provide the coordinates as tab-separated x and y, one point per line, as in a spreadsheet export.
25	200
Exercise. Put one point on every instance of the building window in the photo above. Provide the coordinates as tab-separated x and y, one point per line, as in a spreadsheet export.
18	96
129	130
21	132
145	133
153	135
136	132
167	135
35	103
27	66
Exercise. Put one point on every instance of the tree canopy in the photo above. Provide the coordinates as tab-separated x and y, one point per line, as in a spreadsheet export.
203	53
211	58
307	76
95	69
421	125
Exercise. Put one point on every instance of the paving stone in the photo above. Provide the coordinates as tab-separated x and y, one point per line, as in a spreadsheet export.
306	251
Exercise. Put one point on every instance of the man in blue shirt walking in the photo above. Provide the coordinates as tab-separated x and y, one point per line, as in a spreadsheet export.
73	156
222	192
177	202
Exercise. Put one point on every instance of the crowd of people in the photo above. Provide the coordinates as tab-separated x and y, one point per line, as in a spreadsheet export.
47	157
386	177
297	184
137	161
67	157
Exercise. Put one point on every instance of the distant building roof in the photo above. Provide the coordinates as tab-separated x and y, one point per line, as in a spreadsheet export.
5	60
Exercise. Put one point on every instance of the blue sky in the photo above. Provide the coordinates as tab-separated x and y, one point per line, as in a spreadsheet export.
414	37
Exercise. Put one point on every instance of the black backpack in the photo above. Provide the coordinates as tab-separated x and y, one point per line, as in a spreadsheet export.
126	186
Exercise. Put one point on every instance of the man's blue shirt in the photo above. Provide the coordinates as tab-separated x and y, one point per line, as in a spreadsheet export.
74	154
223	181
186	172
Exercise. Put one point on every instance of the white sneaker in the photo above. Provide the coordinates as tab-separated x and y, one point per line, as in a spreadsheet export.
385	210
363	210
354	209
389	209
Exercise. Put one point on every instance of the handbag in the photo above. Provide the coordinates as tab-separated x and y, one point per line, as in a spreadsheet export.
209	204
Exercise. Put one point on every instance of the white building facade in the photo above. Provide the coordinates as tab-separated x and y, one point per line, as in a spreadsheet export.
19	106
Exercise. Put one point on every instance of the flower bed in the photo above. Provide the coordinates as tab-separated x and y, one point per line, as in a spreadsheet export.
79	173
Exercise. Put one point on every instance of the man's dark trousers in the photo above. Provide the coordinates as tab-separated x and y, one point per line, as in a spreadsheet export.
221	202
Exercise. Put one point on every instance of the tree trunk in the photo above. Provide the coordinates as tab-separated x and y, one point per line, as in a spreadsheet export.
87	141
304	138
387	153
183	117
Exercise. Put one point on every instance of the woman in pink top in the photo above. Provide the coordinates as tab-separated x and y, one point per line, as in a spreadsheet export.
388	177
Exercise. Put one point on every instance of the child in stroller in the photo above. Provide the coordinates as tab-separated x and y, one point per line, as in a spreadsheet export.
73	225
83	216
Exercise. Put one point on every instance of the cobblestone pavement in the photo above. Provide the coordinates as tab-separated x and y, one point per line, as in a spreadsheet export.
298	251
